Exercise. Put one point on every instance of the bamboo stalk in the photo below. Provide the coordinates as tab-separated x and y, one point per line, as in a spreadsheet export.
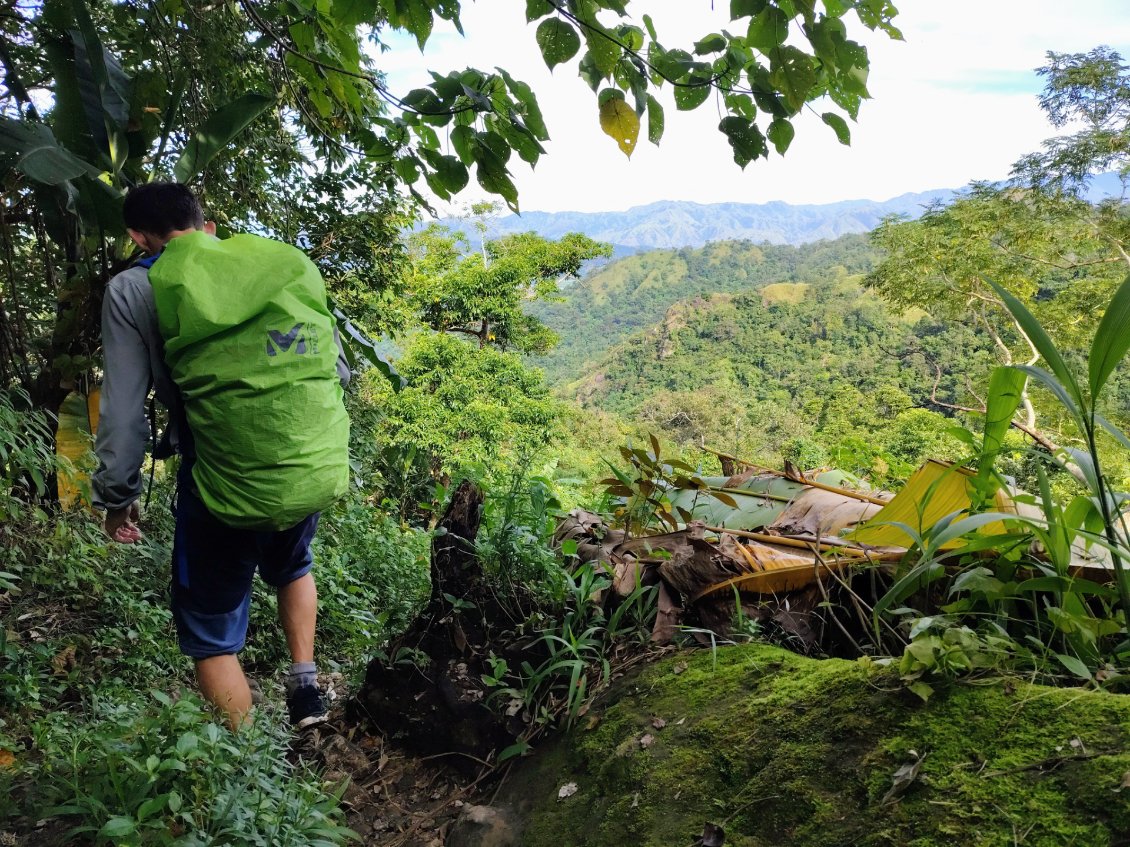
846	492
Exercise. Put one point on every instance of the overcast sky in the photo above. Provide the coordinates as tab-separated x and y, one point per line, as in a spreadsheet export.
954	102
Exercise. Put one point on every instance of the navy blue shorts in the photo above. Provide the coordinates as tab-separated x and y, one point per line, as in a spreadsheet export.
213	568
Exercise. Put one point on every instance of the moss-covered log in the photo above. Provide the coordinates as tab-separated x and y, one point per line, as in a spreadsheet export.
779	749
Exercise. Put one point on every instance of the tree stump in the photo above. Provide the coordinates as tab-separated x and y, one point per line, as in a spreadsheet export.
428	690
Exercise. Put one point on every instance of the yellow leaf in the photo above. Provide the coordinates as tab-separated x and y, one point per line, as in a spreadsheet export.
619	121
6	758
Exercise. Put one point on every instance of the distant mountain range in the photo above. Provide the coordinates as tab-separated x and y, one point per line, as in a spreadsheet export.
671	224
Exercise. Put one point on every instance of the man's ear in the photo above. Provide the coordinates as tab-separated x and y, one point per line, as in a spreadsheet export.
210	227
139	238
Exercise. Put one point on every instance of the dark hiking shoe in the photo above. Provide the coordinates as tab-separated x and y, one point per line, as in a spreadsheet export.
306	706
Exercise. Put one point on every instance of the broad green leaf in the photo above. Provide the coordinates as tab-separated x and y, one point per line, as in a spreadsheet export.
530	110
108	104
219	131
630	36
838	125
152	806
498	182
745	8
557	40
452	173
538	9
424	100
713	43
407	168
620	122
768	29
117	827
649	25
603	48
792	73
1006	390
691	96
781	133
745	138
654	120
922	689
39	155
1076	666
1112	339
1040	340
358	346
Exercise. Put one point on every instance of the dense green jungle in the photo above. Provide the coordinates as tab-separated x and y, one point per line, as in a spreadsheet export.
743	544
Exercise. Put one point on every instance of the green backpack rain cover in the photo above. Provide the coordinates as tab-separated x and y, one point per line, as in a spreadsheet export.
250	343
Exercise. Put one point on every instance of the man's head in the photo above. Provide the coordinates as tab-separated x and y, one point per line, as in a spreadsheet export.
157	212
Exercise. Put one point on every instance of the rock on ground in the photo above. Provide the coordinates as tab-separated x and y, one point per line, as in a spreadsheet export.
775	749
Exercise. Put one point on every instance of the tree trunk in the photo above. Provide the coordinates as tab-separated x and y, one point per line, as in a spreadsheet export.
428	689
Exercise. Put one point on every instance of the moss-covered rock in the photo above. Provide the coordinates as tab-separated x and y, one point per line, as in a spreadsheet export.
784	750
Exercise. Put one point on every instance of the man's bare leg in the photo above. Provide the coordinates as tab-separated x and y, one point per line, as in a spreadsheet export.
298	613
223	685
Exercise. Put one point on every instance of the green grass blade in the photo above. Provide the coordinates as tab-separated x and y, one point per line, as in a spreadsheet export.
1112	339
1040	340
1006	389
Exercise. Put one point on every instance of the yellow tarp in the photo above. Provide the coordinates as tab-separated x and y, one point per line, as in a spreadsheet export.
933	491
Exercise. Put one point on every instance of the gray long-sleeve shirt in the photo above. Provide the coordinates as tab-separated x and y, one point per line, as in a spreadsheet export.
134	355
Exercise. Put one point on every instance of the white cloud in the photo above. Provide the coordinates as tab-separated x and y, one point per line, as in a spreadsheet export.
954	102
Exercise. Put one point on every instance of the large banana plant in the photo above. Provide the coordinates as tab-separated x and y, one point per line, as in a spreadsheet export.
101	134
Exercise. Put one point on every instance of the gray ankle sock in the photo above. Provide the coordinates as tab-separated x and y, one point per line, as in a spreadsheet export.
301	674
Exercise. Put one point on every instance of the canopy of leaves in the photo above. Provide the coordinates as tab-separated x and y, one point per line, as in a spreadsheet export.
1050	251
465	409
483	294
1091	91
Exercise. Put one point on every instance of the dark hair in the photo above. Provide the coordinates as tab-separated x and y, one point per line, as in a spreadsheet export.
161	207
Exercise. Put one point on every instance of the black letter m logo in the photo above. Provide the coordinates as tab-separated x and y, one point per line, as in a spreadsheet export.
284	342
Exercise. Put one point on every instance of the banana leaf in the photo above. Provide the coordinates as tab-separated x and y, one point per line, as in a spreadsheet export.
78	423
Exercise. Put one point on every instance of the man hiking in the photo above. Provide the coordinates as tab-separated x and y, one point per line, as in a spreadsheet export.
237	342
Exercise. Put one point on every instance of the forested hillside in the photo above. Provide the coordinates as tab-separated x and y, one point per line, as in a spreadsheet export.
633	293
819	372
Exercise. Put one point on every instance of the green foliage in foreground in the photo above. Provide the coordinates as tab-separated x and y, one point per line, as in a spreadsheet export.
90	738
148	769
780	749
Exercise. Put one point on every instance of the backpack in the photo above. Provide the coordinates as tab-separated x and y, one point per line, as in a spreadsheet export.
250	343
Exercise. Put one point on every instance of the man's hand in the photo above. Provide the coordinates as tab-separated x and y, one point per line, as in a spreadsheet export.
121	524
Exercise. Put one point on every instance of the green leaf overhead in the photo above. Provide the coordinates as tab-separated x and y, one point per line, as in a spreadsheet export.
768	29
838	125
745	138
219	131
793	73
558	41
655	120
781	133
39	155
692	95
